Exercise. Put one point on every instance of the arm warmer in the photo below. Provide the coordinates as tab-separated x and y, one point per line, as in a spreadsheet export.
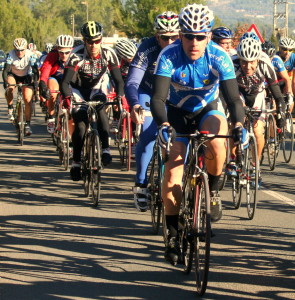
133	81
160	93
65	83
276	92
231	96
118	80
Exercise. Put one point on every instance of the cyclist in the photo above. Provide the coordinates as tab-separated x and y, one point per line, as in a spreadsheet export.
223	36
52	72
125	50
21	67
282	74
286	45
252	71
192	71
83	78
138	90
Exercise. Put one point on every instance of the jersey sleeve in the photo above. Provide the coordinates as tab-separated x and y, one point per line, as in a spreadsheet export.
226	68
164	66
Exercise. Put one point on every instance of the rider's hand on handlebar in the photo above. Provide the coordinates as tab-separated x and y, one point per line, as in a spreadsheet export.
166	133
136	115
240	135
67	102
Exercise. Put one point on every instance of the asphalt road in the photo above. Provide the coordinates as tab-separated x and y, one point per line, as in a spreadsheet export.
55	245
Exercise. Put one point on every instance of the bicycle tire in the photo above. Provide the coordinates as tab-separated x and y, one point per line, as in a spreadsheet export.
202	232
155	189
65	142
252	175
271	141
223	177
288	138
128	141
95	168
21	122
85	165
237	190
185	220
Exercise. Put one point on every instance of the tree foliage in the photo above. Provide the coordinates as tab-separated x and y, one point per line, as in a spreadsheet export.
136	17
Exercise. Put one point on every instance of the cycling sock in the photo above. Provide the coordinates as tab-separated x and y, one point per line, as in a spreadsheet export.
213	182
172	225
10	106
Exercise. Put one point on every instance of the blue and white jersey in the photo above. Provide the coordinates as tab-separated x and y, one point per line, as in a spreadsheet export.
194	84
278	64
145	59
290	63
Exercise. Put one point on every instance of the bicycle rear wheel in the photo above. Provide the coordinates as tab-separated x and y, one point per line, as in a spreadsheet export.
237	190
202	232
271	141
288	138
95	168
252	175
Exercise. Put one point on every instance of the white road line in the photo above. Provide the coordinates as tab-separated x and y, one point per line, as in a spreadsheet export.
279	196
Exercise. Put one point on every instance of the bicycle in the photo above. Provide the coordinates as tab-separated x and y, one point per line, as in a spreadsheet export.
154	187
270	136
195	213
248	167
91	153
123	135
61	137
286	135
19	113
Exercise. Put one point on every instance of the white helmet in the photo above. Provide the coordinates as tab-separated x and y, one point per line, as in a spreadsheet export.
125	48
64	41
20	44
166	22
196	18
249	49
48	47
287	43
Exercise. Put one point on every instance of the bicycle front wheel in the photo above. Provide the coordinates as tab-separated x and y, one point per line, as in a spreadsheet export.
85	165
65	140
155	188
202	232
288	138
95	168
21	122
252	175
271	141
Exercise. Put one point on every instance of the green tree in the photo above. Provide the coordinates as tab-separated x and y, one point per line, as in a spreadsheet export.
135	18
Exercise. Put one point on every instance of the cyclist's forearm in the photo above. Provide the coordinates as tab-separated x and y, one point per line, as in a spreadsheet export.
231	95
65	83
119	83
160	94
277	94
6	70
133	81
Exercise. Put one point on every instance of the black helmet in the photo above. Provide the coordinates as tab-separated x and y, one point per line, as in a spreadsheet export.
91	30
269	48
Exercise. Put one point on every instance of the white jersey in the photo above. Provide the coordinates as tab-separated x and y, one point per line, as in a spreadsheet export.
21	66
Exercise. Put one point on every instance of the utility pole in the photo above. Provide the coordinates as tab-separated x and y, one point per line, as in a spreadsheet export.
73	24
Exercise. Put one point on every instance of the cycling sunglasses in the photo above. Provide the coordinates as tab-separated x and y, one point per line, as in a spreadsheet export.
190	37
166	38
64	52
20	50
285	49
91	42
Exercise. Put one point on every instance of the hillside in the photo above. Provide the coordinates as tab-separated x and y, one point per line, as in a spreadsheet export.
260	12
